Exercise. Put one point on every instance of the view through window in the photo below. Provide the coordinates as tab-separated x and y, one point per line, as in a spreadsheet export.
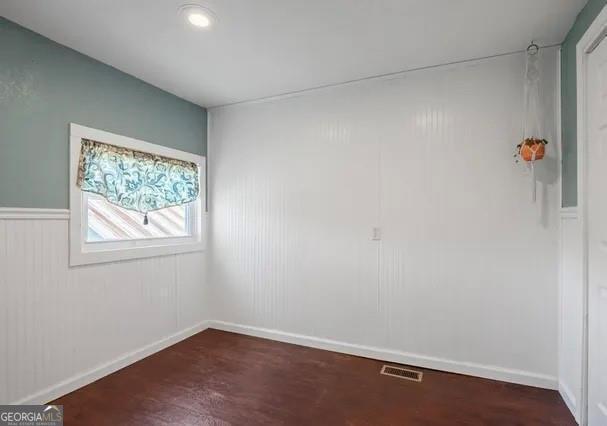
108	222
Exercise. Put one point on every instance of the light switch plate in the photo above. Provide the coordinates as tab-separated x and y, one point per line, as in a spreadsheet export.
376	234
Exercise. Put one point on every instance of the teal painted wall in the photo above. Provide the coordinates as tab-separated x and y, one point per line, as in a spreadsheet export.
568	98
44	86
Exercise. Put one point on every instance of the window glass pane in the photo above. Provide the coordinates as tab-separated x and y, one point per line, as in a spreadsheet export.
108	222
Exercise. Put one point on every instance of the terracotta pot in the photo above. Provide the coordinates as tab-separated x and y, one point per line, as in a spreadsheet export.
530	147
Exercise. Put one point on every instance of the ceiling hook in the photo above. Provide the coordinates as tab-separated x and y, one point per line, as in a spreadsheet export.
533	48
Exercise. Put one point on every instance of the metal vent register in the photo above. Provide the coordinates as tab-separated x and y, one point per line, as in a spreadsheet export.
402	373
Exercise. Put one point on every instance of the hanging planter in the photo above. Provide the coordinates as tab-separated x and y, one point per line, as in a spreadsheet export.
532	149
529	151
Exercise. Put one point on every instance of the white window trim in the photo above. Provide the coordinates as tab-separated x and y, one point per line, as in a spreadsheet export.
83	252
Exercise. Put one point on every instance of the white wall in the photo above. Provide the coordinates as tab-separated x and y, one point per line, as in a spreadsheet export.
61	328
571	310
465	277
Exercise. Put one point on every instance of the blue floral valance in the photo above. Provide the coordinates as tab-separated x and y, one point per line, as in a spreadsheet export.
136	180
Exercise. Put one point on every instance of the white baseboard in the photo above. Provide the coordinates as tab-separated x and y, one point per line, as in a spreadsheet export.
569	398
87	377
468	368
472	369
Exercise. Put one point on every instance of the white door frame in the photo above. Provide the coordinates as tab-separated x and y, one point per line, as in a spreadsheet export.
589	41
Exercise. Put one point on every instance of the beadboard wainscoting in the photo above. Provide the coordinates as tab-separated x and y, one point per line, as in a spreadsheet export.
388	216
571	309
61	327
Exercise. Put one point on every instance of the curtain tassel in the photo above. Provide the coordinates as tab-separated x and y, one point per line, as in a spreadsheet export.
145	219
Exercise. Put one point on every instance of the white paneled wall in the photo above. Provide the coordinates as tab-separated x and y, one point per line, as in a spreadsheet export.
572	310
61	327
465	277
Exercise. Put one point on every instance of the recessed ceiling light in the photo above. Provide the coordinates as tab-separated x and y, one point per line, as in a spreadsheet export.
199	20
197	16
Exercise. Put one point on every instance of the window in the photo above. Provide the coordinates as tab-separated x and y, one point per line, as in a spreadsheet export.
103	231
108	222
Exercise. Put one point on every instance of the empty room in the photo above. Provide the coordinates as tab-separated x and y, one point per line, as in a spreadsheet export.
288	212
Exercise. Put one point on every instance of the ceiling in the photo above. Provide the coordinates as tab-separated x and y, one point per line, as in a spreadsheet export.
261	48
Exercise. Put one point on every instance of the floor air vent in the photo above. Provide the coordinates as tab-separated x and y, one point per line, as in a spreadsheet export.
402	373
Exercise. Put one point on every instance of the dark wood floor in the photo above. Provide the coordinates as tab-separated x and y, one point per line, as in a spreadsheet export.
220	378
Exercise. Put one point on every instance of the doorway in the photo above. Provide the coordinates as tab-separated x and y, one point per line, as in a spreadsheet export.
592	167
